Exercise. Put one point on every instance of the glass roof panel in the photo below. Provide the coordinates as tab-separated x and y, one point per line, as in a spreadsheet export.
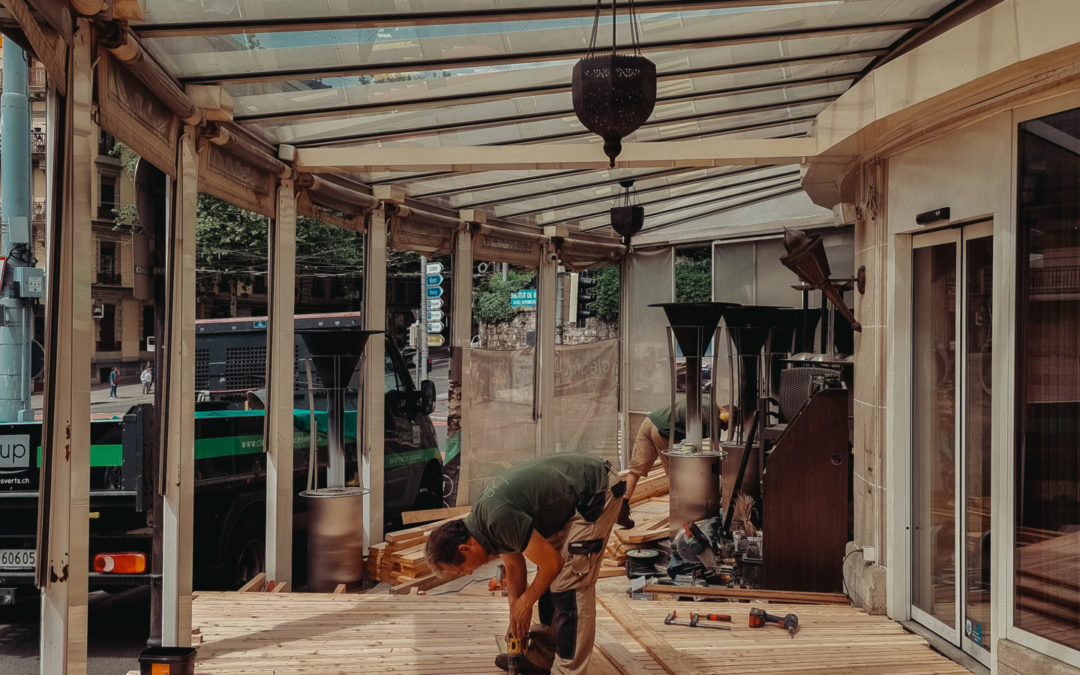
704	183
218	56
513	119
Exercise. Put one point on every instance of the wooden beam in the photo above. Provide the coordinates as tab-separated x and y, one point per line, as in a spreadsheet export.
702	153
547	297
764	595
278	422
460	339
371	418
63	519
429	515
178	400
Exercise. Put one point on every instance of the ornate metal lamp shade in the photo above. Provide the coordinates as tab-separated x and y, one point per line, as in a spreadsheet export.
614	93
627	219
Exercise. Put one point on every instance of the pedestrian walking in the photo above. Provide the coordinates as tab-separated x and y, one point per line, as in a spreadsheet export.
147	379
114	379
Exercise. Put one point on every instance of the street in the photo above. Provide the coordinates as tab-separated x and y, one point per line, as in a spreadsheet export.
117	633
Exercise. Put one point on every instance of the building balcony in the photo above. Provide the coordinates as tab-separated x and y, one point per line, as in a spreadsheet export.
39	211
37	143
109	279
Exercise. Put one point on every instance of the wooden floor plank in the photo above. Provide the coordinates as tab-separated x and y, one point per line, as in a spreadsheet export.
452	634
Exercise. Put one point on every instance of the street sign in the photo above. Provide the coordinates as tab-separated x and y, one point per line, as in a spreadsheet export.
434	303
434	268
435	327
435	315
435	341
525	298
435	292
433	279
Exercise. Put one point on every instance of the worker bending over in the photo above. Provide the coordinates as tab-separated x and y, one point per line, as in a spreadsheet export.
558	512
652	440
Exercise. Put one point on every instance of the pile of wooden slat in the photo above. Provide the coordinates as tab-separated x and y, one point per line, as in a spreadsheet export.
649	509
400	559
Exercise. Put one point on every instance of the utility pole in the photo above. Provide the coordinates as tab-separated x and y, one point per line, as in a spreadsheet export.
16	321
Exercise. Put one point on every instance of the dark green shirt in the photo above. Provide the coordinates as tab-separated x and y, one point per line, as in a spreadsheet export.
662	417
540	495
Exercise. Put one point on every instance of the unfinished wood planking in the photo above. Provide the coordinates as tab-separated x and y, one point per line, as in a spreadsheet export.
302	633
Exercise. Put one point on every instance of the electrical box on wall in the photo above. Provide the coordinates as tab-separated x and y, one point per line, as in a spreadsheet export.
30	281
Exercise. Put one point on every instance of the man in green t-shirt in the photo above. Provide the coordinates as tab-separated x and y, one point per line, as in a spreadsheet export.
558	512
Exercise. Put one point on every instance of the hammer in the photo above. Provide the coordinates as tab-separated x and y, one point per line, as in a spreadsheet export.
693	623
759	617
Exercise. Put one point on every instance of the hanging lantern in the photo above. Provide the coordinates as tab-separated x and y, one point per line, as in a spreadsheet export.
627	218
614	93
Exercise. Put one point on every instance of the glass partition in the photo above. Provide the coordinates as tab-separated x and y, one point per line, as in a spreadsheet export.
1047	531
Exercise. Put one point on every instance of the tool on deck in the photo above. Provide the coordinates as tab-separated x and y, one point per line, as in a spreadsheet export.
498	582
514	655
711	617
693	622
759	617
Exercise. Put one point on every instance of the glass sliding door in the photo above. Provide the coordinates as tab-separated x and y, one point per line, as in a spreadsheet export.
952	298
933	541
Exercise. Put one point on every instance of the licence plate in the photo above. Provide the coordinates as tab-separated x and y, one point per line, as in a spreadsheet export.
17	558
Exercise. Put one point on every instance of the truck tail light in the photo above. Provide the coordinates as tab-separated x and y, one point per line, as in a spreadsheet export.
120	563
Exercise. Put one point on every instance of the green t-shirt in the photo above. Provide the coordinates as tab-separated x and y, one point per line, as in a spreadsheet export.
540	495
662	417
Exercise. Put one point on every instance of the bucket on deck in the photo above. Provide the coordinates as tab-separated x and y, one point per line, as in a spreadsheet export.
695	486
167	661
335	536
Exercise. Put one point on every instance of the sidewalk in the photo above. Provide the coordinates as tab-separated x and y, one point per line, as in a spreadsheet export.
127	396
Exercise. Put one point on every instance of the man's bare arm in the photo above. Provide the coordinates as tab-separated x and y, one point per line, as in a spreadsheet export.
548	563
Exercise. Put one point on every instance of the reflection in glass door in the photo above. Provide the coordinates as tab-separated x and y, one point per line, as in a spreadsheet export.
950	542
934	436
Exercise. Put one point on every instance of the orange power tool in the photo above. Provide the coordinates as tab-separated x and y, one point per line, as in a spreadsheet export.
759	617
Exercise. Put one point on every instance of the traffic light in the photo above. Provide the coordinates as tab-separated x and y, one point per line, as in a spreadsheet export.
585	297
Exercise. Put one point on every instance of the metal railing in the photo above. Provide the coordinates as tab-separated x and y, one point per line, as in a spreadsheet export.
109	278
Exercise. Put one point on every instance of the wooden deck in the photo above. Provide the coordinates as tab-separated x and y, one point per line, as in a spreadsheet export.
300	633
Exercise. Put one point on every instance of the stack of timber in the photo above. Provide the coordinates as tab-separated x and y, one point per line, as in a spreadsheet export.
650	509
400	559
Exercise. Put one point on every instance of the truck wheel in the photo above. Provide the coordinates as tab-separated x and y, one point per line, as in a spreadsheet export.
429	496
247	553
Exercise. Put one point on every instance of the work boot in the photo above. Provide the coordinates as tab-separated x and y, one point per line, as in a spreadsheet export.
624	520
526	668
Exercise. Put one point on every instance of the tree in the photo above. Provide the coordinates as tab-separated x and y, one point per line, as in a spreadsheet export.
693	278
607	293
232	248
491	300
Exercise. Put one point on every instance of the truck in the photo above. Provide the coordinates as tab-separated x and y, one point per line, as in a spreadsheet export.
230	464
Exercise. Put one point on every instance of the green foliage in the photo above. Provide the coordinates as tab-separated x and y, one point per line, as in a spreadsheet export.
607	293
230	241
126	216
693	279
491	301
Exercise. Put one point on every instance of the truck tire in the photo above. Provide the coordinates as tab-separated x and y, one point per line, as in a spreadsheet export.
429	494
246	556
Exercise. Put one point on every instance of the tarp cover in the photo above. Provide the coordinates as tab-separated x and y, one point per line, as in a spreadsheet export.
497	407
587	398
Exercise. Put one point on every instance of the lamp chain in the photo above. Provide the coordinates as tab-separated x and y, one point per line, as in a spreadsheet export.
595	25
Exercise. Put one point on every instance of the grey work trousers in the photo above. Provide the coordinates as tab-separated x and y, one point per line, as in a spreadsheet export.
565	645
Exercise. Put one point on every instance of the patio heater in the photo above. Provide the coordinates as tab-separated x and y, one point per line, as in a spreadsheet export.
693	467
335	512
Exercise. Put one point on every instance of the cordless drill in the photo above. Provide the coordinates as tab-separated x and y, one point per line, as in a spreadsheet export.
759	617
514	655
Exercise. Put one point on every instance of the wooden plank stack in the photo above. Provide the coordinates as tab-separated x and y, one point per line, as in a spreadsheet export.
400	559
